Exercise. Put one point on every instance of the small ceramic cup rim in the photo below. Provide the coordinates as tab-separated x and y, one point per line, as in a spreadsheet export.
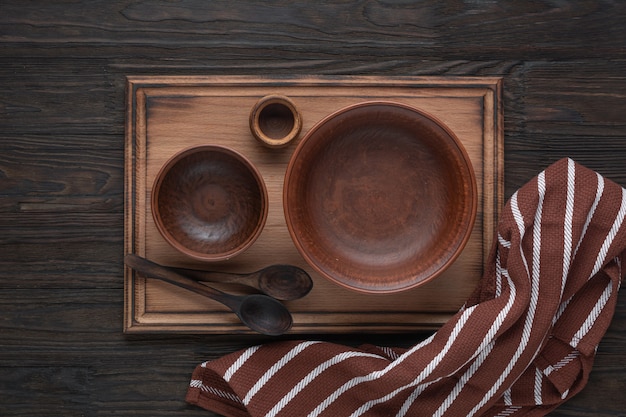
255	115
208	257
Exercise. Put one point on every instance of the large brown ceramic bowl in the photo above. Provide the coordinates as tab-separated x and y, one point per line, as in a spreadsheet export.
380	197
209	202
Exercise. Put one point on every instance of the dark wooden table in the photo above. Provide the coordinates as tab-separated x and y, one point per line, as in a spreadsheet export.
62	76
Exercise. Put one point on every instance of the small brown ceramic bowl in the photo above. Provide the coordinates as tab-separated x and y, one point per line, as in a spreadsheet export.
275	121
209	202
380	197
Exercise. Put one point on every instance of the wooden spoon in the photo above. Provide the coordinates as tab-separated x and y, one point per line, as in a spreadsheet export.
259	312
282	282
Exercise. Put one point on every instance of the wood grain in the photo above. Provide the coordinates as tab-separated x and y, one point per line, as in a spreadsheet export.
63	68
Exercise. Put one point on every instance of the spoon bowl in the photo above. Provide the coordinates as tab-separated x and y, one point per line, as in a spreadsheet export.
258	312
284	282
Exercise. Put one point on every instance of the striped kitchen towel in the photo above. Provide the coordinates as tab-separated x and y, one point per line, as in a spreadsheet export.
522	344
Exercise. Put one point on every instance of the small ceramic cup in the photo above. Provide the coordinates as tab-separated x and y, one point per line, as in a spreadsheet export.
275	121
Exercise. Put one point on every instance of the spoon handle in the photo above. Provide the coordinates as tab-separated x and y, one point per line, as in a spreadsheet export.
221	277
155	270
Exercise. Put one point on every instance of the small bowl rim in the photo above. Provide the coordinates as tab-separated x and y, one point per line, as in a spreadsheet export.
171	240
313	263
255	114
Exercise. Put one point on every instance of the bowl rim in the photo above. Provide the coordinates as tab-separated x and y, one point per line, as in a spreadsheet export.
171	240
460	244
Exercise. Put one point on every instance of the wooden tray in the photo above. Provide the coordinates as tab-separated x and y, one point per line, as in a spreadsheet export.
167	114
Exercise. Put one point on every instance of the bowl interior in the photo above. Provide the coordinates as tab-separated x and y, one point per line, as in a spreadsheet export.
380	197
276	120
209	202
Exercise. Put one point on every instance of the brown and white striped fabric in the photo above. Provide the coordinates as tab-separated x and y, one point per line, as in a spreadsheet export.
523	343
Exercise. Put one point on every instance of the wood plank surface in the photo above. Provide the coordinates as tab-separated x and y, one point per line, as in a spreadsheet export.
63	69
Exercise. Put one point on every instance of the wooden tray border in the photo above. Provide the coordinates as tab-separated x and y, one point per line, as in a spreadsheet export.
493	133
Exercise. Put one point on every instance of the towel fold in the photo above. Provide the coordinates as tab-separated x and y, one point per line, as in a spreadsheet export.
522	344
